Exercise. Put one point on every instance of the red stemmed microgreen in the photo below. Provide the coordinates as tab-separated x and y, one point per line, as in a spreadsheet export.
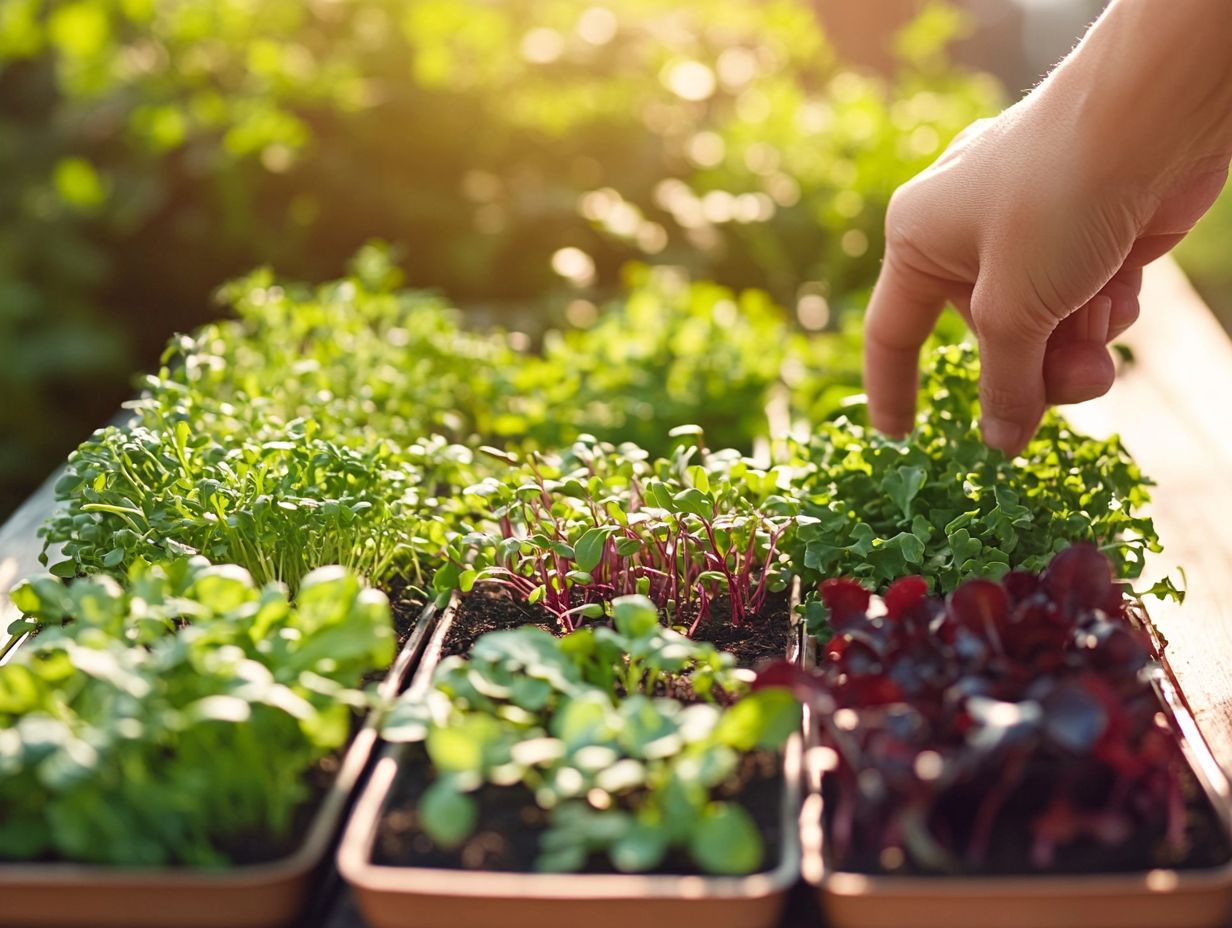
573	532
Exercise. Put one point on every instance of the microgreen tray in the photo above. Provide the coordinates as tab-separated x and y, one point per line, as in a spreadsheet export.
1157	898
419	897
266	895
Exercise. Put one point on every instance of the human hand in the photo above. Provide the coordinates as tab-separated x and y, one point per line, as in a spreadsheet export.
1035	225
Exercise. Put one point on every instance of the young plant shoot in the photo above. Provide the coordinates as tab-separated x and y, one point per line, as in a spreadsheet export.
943	505
1011	727
574	531
624	776
181	720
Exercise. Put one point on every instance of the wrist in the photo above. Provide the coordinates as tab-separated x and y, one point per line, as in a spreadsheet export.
1148	93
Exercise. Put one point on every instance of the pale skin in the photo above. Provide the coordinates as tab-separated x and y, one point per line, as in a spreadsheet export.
1036	224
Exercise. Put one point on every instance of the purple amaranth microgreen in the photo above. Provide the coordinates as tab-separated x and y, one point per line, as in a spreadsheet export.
1031	694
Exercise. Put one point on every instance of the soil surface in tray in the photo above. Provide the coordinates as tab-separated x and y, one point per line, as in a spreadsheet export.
759	638
511	823
486	609
1009	849
406	605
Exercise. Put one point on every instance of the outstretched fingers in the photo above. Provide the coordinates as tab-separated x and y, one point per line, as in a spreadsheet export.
1012	346
901	315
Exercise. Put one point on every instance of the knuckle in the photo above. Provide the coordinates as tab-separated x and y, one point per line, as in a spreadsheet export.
1005	400
901	223
1011	322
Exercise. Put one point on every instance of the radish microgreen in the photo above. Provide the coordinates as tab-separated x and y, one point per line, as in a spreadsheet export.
571	532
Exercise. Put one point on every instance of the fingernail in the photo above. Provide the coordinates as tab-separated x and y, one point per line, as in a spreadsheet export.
1001	433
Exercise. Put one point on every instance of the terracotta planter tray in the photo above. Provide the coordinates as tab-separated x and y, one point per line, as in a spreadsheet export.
267	895
1160	898
422	897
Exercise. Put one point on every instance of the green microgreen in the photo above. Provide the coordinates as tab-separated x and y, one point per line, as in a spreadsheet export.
942	504
623	774
280	505
178	720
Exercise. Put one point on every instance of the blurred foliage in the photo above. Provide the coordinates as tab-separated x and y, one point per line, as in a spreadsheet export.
151	148
1207	259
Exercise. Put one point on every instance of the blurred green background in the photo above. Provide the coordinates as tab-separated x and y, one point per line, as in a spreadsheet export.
518	153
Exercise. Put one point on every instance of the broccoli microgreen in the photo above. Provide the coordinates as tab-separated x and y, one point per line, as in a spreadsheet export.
942	504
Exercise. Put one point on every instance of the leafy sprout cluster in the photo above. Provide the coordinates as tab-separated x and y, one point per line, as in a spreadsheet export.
942	504
280	506
624	774
290	438
362	351
178	718
360	355
1012	724
573	531
734	143
670	352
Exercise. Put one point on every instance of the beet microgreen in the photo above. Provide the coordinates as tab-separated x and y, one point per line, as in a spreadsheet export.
622	774
171	721
572	532
942	504
1015	715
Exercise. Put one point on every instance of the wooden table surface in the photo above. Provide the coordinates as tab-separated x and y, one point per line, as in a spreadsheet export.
1173	409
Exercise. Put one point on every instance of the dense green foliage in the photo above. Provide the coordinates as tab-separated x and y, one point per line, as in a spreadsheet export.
279	506
152	148
329	440
290	437
623	774
178	719
942	504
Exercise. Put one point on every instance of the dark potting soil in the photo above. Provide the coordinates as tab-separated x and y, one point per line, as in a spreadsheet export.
758	639
406	604
1008	854
511	823
489	608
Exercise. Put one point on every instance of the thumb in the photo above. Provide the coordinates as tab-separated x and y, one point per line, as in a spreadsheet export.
1013	336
